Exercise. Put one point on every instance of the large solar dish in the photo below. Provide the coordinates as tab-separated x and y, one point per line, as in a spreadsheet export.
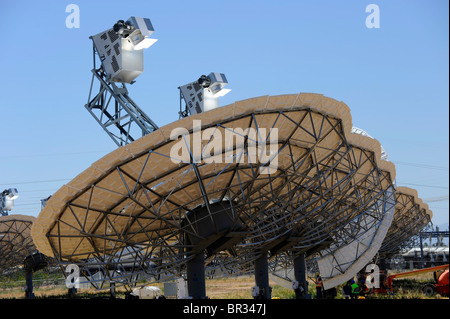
15	240
172	197
411	216
352	245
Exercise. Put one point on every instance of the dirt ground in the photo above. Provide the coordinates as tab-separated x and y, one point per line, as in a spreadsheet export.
239	287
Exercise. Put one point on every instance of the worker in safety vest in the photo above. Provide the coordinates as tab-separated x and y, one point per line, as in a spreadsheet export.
319	286
355	290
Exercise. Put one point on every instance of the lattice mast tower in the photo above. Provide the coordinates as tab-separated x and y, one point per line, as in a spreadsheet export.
120	51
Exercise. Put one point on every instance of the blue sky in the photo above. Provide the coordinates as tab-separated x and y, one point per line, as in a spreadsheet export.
395	78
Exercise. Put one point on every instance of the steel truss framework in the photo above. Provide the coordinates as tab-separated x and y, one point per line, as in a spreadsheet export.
15	240
351	247
367	217
409	220
121	118
152	223
358	239
357	235
348	252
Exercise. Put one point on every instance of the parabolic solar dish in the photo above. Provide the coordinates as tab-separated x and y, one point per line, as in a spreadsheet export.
352	246
411	216
219	183
15	240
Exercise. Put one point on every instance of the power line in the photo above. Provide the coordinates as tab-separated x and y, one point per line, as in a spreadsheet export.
439	168
436	199
422	185
16	206
51	154
35	182
37	190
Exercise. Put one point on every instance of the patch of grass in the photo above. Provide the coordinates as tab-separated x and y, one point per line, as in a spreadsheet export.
282	292
49	286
